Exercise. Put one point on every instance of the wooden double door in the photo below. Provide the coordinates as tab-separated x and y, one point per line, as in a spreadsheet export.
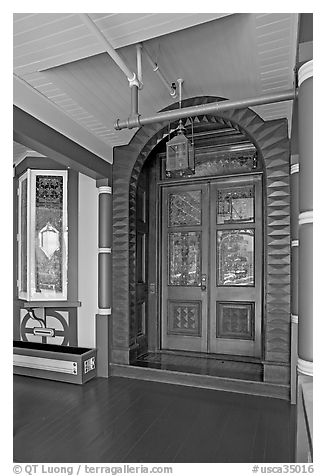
211	266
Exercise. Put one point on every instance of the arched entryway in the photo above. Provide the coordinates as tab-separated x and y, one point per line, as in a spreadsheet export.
271	142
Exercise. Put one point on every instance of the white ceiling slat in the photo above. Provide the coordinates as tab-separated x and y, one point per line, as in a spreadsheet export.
36	20
271	19
41	33
121	20
50	47
265	34
18	17
266	58
274	43
89	88
27	99
233	56
275	57
68	38
104	83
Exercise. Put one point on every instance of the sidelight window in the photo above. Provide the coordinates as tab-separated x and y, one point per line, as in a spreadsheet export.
42	235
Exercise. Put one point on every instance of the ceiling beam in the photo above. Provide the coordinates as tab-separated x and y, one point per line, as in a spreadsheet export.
34	134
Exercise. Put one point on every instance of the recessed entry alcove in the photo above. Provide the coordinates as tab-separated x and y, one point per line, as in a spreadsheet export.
201	262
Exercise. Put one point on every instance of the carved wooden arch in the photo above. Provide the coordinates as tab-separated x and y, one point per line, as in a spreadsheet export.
271	140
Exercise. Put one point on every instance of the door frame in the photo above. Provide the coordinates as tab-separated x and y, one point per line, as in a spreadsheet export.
273	145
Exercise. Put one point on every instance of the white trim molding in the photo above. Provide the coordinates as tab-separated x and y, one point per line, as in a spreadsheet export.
306	217
295	168
294	243
305	367
305	72
104	250
105	189
104	312
294	318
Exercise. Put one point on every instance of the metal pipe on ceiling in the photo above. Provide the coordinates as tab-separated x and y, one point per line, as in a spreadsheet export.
139	47
134	101
131	76
159	73
203	109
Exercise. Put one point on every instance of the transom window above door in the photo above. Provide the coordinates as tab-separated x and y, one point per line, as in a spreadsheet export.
219	151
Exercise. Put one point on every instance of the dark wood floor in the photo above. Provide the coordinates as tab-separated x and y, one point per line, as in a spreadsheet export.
125	420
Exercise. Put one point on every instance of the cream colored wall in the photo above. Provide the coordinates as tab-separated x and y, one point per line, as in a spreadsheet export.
87	260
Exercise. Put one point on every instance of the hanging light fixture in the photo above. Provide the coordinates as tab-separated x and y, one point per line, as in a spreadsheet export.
180	152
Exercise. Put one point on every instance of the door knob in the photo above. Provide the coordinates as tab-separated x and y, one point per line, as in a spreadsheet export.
203	282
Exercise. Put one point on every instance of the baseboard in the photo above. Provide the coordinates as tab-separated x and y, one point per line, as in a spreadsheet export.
202	381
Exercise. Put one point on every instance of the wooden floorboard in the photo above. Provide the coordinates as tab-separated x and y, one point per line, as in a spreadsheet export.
128	420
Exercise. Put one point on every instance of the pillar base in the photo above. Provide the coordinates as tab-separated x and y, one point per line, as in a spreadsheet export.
304	435
102	344
305	367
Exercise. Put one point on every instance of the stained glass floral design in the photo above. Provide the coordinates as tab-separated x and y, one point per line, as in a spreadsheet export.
235	258
209	162
185	208
48	233
184	259
235	205
23	236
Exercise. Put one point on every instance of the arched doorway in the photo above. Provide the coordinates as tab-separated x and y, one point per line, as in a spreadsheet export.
271	329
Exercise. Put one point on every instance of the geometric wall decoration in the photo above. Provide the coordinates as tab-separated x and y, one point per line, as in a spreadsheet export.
184	318
235	320
57	327
271	141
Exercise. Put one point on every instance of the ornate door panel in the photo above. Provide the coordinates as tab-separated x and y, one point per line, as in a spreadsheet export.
184	263
212	248
236	248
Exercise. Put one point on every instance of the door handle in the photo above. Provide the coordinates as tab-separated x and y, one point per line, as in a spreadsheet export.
203	282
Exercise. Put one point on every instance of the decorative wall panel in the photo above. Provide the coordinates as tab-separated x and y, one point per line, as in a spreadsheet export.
271	140
49	326
184	318
235	320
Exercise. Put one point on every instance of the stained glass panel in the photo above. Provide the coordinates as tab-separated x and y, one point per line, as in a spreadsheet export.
49	234
235	258
235	205
185	259
208	161
185	208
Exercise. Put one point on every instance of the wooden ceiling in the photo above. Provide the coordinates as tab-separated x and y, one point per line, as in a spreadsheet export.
63	77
